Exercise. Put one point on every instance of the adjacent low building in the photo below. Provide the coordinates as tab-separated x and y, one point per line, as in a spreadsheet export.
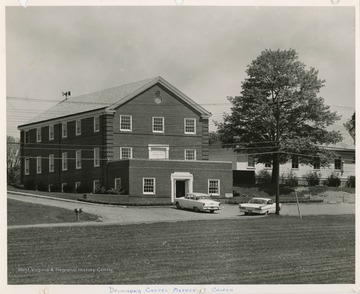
146	139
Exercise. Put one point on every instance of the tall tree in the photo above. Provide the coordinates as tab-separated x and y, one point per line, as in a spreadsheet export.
13	159
279	110
350	126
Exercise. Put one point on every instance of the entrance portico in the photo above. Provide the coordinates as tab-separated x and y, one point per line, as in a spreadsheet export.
181	183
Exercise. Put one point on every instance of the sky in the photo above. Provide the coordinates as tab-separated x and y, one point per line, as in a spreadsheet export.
203	51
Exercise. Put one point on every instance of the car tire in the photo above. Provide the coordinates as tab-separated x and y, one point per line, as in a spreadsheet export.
212	211
178	205
196	209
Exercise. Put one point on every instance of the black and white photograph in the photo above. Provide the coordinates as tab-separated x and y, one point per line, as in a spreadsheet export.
180	146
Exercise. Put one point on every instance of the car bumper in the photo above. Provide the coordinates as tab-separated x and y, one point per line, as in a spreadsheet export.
252	211
210	208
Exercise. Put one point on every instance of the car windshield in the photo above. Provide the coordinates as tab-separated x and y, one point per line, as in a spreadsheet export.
202	197
258	201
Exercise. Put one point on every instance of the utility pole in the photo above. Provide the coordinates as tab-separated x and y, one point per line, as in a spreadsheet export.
277	169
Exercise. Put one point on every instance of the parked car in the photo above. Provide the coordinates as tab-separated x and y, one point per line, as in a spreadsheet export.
197	202
258	206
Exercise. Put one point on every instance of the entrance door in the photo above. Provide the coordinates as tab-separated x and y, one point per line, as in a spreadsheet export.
180	188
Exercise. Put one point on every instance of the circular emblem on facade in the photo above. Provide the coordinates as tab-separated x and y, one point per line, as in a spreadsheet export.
158	99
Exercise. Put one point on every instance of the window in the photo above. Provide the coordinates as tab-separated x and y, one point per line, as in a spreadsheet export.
51	132
125	152
27	137
251	161
64	129
158	151
316	163
77	185
158	124
96	157
63	186
78	127
190	154
338	163
78	159
295	162
64	163
267	164
96	186
51	163
190	126
214	187
50	188
96	124
126	123
38	165
117	184
27	166
38	135
149	186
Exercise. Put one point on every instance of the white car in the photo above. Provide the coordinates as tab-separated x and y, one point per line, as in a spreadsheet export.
197	202
258	206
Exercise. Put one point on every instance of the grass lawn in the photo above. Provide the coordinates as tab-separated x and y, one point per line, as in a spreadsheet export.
269	250
23	213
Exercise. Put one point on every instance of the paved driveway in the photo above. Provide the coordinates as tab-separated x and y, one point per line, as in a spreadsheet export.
126	215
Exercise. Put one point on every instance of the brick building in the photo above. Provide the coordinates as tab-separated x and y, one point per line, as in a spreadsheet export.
146	137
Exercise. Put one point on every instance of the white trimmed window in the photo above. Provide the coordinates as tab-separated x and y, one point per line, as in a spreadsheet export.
316	163
214	187
190	125
38	135
126	123
77	185
51	132
267	164
27	166
38	165
27	137
78	159
338	163
251	161
117	184
62	186
51	163
158	124
64	159
96	124
190	154
78	127
96	185
64	129
96	157
149	186
295	162
50	187
125	152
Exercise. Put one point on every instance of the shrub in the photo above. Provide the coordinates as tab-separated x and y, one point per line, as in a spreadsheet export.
54	188
83	189
333	180
291	179
29	185
67	188
350	182
263	177
312	178
41	187
101	190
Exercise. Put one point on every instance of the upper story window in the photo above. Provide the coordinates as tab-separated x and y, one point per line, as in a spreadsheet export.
78	127
190	154
190	125
125	152
251	161
27	137
316	163
51	132
38	164
64	129
64	163
38	135
96	124
338	163
295	162
27	166
214	187
96	157
126	123
158	124
78	159
51	163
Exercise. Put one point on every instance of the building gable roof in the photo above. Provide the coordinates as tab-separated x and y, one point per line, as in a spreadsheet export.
109	100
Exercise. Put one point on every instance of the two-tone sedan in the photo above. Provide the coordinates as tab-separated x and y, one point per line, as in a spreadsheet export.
197	202
258	206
